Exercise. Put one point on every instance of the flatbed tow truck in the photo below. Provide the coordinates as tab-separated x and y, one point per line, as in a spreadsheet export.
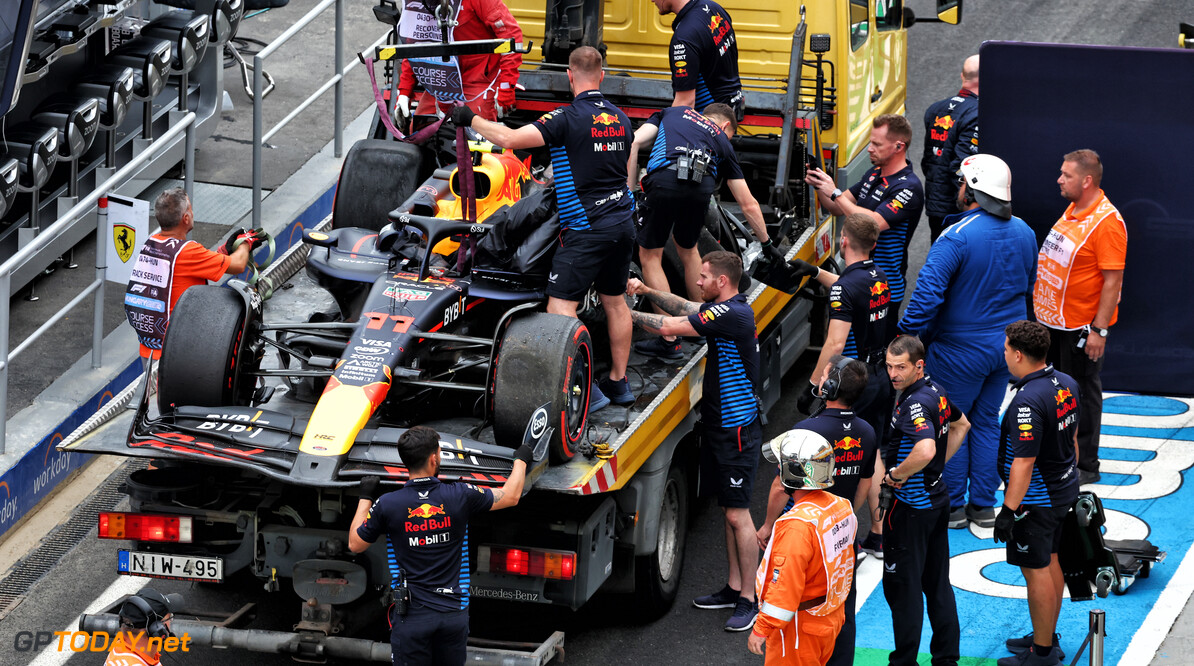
612	518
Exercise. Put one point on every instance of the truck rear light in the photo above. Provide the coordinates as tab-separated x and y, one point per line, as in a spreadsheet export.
556	565
145	527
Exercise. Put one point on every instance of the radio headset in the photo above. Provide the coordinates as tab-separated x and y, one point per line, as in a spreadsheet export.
833	383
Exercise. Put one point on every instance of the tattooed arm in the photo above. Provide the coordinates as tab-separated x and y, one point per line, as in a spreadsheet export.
665	300
663	325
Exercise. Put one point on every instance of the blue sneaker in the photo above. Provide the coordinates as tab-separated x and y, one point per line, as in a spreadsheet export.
597	399
726	597
660	348
744	615
617	392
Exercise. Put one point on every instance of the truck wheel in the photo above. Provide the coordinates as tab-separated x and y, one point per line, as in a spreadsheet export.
657	575
377	177
199	354
543	358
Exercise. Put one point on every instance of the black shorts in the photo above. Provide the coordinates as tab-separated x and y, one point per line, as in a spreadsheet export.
1036	537
729	459
598	258
673	207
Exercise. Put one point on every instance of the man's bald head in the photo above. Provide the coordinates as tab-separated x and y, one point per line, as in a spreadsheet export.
970	74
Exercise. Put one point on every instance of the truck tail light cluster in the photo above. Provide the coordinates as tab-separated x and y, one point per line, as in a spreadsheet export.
145	527
556	565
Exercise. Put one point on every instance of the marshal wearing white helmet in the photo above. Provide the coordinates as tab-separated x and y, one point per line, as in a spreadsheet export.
805	573
975	281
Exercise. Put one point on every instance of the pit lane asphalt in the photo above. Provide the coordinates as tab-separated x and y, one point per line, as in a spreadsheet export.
599	634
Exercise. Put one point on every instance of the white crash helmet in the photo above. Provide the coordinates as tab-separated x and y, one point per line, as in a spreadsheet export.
990	179
805	459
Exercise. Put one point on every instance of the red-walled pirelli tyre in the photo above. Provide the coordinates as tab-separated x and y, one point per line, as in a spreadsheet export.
198	366
543	358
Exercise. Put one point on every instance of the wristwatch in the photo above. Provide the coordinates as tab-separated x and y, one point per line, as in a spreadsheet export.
1102	332
837	192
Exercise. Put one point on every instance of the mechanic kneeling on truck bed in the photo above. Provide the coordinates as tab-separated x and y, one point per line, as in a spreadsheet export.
426	525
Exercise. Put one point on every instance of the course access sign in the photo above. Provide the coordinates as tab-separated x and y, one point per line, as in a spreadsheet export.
1146	450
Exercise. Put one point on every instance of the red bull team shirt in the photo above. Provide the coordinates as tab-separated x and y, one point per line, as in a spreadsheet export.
426	528
590	144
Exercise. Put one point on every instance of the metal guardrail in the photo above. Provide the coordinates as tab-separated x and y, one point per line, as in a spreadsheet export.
96	286
336	81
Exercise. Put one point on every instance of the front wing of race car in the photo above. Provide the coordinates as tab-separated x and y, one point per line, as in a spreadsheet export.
268	442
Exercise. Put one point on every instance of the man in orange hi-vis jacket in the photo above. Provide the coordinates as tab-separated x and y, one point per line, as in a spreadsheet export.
805	574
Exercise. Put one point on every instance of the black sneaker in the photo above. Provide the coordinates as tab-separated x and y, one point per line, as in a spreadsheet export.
1030	658
660	348
983	516
744	615
726	597
873	545
1086	477
1024	644
957	518
618	392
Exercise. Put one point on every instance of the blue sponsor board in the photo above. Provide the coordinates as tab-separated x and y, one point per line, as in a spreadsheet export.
1146	449
43	467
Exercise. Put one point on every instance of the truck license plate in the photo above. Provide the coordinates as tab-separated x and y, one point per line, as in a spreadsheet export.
175	567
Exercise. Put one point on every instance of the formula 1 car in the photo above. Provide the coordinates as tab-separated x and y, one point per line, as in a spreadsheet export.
433	317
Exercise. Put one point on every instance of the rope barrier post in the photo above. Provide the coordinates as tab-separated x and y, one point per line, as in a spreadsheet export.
1098	631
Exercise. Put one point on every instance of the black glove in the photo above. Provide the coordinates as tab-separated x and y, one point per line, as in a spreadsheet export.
463	116
524	453
1003	524
772	252
800	268
369	487
805	401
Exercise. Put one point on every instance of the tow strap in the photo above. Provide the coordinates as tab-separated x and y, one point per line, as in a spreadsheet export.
468	193
418	137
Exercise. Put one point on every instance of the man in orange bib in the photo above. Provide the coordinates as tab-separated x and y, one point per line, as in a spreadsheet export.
804	577
1079	273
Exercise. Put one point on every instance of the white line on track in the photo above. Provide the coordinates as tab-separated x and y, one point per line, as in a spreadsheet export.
122	586
1149	636
870	574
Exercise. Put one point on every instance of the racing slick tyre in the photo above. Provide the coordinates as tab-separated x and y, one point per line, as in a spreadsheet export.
377	177
199	355
543	358
657	575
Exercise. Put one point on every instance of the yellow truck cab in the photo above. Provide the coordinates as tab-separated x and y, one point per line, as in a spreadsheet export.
857	47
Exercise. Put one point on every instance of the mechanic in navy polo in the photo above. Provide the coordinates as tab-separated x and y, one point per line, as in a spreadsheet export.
703	55
425	524
859	308
890	193
590	146
731	433
842	381
1038	460
690	151
926	429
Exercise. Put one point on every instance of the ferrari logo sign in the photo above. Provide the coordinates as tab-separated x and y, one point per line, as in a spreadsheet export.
129	221
124	239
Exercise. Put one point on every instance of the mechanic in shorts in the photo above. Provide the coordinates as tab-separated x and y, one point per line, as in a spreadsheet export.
425	524
690	153
1038	462
729	411
590	147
